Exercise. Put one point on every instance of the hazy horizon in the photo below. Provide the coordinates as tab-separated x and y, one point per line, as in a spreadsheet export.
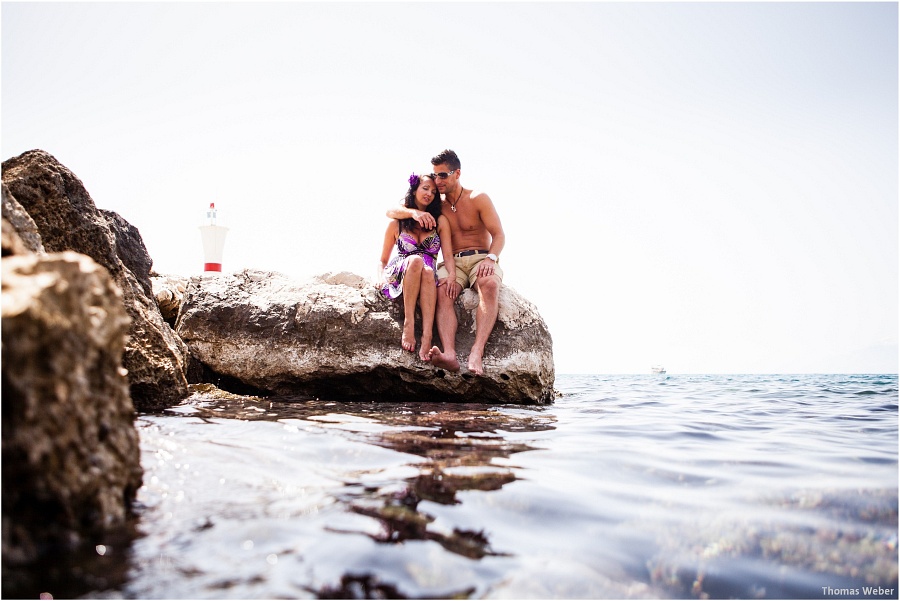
712	187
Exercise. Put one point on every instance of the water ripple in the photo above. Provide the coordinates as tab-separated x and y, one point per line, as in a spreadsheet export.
626	487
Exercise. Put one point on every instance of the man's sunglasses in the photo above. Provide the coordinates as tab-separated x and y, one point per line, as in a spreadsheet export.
443	174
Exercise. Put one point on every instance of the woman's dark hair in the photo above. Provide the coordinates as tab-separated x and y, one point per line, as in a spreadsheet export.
410	203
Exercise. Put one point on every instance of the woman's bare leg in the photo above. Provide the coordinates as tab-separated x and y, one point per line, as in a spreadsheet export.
427	299
411	281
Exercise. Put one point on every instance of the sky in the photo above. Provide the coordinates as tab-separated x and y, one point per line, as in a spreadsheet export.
712	187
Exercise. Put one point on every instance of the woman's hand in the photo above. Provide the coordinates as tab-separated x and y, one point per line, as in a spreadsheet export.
378	279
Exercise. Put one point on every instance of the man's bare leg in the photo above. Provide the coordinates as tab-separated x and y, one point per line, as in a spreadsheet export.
427	293
446	324
411	281
485	317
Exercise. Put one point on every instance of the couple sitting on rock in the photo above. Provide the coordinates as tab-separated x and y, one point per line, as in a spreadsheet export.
465	227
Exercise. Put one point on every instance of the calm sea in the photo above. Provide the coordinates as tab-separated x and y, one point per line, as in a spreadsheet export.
626	487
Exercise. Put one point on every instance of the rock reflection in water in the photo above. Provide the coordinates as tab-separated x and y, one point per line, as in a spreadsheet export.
358	587
460	442
399	512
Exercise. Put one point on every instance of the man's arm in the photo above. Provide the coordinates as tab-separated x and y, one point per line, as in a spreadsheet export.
491	221
423	218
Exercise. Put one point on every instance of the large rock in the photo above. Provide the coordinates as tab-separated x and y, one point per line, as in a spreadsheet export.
22	223
168	291
71	456
12	243
67	219
336	337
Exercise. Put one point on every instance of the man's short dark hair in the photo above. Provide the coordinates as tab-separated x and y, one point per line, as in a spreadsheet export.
447	157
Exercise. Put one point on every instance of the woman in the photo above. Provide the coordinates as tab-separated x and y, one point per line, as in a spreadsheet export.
411	273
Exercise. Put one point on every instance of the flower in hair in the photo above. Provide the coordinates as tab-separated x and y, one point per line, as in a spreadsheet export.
413	180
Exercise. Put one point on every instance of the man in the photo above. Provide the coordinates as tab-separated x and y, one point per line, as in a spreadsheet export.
478	240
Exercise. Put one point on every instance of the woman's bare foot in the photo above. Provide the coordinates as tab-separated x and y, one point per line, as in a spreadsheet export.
447	361
408	340
425	349
475	364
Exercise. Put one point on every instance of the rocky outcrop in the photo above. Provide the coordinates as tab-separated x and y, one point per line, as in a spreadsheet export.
336	337
21	222
12	243
168	291
71	458
67	219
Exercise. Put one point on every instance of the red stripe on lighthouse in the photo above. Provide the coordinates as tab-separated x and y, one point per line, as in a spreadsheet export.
212	267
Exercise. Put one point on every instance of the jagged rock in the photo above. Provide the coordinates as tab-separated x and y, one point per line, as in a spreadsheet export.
71	456
22	223
336	336
67	219
12	243
168	291
130	249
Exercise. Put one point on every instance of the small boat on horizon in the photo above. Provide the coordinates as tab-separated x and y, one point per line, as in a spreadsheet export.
658	369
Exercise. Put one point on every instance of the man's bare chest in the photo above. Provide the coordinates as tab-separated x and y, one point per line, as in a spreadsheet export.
464	222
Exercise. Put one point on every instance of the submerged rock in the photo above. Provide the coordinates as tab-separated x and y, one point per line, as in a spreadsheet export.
71	459
335	336
67	219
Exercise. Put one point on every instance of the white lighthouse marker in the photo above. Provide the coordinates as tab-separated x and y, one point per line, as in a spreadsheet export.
213	240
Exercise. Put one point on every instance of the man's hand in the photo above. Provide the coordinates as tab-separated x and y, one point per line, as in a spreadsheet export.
485	268
424	219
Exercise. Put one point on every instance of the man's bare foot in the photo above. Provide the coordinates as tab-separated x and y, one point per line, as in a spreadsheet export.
447	361
475	364
408	340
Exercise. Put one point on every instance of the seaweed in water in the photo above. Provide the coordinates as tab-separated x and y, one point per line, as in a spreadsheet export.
367	586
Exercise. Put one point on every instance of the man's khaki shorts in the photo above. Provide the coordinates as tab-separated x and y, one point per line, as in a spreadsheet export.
466	270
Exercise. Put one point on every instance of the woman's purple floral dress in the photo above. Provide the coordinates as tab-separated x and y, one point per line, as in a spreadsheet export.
406	247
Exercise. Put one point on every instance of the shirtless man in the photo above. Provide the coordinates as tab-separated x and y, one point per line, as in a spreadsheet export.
478	240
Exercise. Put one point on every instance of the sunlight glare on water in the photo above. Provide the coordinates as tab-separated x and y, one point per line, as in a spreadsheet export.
626	487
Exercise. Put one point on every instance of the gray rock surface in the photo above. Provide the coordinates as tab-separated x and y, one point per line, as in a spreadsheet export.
12	243
21	222
71	458
168	291
335	336
67	219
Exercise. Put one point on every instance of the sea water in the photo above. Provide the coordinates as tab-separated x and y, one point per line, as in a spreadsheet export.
626	487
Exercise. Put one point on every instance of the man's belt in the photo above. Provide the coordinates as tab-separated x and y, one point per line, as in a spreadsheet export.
466	253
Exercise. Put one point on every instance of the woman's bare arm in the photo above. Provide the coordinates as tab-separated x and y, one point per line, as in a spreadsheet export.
390	237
